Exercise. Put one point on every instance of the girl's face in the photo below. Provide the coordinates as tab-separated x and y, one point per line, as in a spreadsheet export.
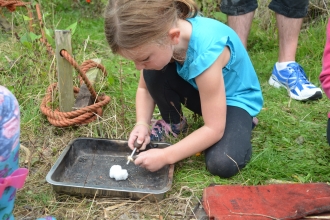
151	56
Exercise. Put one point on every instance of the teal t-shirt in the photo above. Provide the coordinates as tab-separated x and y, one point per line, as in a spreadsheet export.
208	39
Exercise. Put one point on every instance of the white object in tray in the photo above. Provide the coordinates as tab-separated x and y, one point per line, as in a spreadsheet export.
118	173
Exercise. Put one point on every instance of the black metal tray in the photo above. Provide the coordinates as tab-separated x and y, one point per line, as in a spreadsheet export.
83	169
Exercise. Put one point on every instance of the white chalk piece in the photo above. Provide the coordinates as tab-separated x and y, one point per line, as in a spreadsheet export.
118	173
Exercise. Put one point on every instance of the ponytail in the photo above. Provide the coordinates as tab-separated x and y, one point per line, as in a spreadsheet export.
186	8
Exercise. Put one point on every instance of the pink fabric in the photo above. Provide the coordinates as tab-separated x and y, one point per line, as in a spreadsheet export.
325	74
16	179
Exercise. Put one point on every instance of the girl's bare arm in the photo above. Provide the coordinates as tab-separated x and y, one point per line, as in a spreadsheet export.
144	109
213	100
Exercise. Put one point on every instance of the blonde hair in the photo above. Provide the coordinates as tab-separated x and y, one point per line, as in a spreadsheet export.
132	23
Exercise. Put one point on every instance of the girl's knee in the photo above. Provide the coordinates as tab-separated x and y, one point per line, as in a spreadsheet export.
224	167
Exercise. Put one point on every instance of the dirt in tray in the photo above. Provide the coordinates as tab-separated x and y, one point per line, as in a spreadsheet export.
93	171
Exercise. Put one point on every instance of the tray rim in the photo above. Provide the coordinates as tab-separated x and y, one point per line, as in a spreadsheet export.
67	184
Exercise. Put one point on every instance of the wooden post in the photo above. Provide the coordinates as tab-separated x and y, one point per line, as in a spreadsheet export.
64	70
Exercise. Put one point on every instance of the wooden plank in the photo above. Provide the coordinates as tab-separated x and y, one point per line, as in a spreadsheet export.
84	97
65	70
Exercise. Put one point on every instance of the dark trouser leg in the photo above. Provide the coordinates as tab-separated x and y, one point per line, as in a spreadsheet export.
235	145
290	8
238	7
169	91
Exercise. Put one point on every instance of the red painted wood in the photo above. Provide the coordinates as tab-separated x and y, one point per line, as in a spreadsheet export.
278	201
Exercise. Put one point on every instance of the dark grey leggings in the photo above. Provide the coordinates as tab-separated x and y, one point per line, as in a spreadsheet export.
228	155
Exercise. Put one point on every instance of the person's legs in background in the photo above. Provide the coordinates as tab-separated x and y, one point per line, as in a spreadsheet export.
286	72
289	16
240	15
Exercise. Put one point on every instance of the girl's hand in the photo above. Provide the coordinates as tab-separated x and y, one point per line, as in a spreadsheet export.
141	134
152	160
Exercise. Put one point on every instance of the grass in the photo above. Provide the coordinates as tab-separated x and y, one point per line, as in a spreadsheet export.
289	143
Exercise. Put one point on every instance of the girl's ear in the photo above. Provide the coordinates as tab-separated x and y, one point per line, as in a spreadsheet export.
174	34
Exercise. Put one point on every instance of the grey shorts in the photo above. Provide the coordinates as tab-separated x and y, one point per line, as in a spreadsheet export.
288	8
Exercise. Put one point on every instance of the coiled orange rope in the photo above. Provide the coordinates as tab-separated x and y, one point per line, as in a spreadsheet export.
80	116
12	4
